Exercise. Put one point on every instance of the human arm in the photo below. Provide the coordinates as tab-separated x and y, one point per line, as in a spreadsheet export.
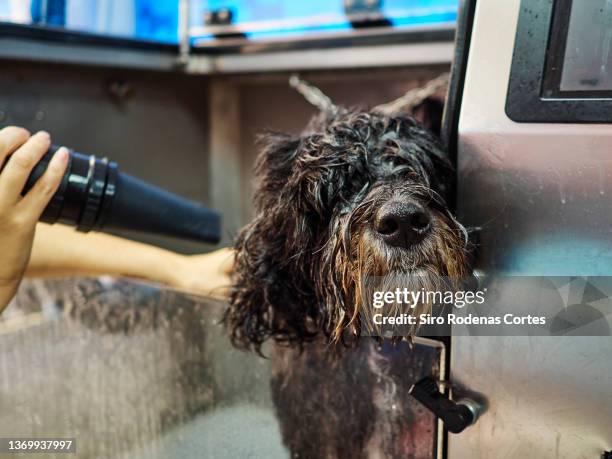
61	251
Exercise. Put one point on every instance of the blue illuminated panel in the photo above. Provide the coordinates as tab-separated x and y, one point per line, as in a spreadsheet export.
277	18
148	20
157	20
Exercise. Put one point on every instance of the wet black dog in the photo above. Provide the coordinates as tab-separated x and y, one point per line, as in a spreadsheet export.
359	194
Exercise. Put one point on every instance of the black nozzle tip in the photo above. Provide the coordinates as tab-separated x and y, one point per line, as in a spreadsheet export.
142	207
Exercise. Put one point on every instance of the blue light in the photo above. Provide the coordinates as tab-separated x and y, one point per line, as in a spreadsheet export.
287	18
150	20
157	20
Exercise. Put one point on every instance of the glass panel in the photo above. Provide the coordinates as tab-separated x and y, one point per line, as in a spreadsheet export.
587	63
150	20
134	372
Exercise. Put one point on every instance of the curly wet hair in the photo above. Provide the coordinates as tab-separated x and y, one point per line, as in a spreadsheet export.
300	261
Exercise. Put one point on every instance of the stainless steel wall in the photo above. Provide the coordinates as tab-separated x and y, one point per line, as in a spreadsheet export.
541	193
130	371
158	130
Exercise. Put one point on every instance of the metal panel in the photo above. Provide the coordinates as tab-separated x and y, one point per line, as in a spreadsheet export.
228	184
153	125
541	193
67	53
320	59
131	372
424	47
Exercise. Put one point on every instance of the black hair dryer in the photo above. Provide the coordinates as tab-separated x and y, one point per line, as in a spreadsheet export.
95	195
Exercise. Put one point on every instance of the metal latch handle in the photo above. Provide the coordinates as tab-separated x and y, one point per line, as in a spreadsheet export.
457	416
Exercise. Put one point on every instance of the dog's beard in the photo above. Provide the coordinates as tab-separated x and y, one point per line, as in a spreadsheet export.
357	263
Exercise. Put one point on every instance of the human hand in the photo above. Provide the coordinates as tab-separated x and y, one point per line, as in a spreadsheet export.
20	152
208	274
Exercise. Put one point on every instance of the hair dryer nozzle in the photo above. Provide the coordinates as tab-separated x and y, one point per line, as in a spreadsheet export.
94	195
139	206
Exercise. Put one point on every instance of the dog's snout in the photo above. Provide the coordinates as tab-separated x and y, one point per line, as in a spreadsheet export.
403	224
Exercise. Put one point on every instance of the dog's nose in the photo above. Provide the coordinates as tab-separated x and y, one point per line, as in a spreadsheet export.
403	224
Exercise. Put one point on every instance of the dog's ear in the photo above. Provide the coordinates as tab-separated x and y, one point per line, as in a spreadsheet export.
273	166
429	114
270	272
289	187
424	103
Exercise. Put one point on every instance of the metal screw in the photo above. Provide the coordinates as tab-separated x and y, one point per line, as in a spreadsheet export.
40	115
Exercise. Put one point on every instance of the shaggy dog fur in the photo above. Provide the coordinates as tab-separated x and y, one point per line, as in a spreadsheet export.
300	268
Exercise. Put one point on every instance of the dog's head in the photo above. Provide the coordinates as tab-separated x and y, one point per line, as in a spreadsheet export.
360	194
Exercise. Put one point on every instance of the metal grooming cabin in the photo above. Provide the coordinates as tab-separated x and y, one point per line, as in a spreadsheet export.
526	121
529	121
182	116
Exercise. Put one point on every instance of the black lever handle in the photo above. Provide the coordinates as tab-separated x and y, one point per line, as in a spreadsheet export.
455	415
